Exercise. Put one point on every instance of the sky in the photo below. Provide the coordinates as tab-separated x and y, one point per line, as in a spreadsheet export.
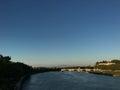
60	32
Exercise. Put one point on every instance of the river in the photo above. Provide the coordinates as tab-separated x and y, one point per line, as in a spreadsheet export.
71	81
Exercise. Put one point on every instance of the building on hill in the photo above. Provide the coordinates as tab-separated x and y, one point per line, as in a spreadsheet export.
105	63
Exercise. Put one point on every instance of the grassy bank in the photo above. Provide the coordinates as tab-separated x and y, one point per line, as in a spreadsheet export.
108	73
7	84
111	68
10	83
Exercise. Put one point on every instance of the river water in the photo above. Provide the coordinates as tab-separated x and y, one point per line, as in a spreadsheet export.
71	81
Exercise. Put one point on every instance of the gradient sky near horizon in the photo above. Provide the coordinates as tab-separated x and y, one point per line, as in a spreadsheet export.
57	32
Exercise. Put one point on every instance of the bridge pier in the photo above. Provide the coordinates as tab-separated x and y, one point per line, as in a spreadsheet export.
78	70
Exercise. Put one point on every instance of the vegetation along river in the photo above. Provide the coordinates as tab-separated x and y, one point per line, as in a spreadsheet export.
71	81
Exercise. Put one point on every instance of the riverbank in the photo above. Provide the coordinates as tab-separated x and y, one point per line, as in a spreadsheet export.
108	73
21	81
12	83
24	78
15	83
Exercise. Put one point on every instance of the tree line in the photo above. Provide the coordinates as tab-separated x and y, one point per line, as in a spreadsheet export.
11	72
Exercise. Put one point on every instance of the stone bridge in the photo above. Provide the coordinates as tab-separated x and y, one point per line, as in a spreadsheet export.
78	69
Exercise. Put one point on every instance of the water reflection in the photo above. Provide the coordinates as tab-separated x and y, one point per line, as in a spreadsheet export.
71	81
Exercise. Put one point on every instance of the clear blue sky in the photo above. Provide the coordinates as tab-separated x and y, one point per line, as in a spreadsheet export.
55	32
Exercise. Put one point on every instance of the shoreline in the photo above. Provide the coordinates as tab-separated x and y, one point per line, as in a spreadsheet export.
24	78
113	74
21	81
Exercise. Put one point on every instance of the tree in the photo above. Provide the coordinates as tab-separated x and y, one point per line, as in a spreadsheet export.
5	59
116	61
